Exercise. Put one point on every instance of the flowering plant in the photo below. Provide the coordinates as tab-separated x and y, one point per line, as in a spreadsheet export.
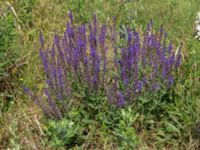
143	65
78	62
75	62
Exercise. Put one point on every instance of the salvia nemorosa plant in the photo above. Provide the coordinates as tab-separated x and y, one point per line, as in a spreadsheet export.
75	63
78	62
145	64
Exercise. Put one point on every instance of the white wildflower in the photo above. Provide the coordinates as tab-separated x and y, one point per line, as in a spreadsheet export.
197	26
198	14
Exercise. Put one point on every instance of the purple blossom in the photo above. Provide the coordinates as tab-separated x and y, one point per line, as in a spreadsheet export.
44	60
170	81
70	32
126	82
102	35
41	39
139	86
121	99
172	59
60	80
164	73
144	79
53	52
161	32
96	72
164	43
170	47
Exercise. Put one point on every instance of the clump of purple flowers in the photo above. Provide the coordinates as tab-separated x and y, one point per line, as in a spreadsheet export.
76	57
145	64
78	61
75	62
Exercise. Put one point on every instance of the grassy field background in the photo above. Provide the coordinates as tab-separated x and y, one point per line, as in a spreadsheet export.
22	124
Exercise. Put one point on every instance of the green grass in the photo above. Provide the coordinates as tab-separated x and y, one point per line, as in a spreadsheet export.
23	126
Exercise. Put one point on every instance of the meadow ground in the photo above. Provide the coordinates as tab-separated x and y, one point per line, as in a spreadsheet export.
22	123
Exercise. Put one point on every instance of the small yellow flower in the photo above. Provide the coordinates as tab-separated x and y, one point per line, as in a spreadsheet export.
21	79
88	52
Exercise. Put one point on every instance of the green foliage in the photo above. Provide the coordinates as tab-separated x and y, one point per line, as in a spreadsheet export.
8	57
78	126
126	134
6	100
67	132
10	45
86	8
8	36
24	9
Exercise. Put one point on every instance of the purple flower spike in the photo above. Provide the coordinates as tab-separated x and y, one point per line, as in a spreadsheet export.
139	86
161	32
121	99
126	82
71	17
41	39
44	60
52	104
102	35
170	82
170	47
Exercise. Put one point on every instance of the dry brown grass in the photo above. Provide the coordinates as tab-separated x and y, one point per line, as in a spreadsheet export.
22	128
